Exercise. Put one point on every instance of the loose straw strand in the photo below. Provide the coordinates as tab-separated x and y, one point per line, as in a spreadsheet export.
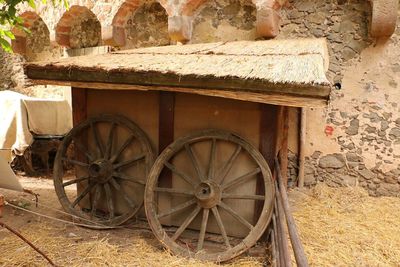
28	242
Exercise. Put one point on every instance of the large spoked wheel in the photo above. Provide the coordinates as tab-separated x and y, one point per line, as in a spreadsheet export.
200	196
100	170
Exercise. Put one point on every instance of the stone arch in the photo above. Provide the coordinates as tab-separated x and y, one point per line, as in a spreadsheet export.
140	23
78	28
223	20
37	41
191	6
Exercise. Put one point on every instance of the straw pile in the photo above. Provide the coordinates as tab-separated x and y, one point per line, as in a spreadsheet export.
293	61
96	249
346	227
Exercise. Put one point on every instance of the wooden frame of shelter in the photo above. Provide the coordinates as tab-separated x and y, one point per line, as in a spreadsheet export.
172	99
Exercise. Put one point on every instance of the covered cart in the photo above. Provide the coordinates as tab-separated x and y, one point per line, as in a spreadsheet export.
192	131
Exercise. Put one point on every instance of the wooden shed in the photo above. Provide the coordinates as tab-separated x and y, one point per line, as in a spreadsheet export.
193	130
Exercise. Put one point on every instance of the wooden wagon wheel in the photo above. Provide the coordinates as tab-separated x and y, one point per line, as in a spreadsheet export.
211	191
100	169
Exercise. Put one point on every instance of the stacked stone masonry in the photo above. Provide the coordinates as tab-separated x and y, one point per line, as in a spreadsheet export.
354	141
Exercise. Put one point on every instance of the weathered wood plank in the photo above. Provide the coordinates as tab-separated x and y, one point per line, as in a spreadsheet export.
79	107
269	131
166	130
274	99
297	246
152	78
166	120
303	136
283	151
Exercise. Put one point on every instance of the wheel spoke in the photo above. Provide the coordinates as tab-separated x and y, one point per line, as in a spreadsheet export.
119	188
177	208
186	223
83	149
236	215
129	162
75	181
173	191
110	141
127	178
241	179
95	200
251	197
203	229
180	174
75	162
195	162
221	226
107	189
82	195
122	148
211	164
96	135
228	165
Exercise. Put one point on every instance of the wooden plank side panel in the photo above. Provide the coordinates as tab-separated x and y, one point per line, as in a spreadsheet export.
195	113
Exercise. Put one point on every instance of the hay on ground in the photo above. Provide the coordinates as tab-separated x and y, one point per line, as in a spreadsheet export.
346	227
68	249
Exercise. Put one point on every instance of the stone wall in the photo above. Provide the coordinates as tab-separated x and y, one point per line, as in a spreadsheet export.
147	26
355	140
224	20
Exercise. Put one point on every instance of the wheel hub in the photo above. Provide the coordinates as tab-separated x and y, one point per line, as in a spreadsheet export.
208	194
101	170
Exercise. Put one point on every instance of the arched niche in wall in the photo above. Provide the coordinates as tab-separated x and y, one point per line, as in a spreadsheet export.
224	20
78	28
140	23
34	43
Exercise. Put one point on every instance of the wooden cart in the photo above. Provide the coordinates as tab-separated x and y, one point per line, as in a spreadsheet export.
192	131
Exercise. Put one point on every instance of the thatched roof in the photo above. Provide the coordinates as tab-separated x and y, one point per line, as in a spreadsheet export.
284	67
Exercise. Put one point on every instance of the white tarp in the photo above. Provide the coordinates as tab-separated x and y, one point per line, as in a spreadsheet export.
8	180
21	117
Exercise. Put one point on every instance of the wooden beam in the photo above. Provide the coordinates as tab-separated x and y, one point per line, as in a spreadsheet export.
269	121
283	151
79	105
166	130
269	132
297	246
155	78
281	227
166	120
302	148
258	97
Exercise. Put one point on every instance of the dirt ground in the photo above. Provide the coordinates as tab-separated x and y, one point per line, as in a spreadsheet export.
70	245
338	227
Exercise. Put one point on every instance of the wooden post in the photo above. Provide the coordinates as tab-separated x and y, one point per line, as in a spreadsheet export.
269	131
166	130
274	261
303	135
79	114
283	152
79	105
282	233
298	249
